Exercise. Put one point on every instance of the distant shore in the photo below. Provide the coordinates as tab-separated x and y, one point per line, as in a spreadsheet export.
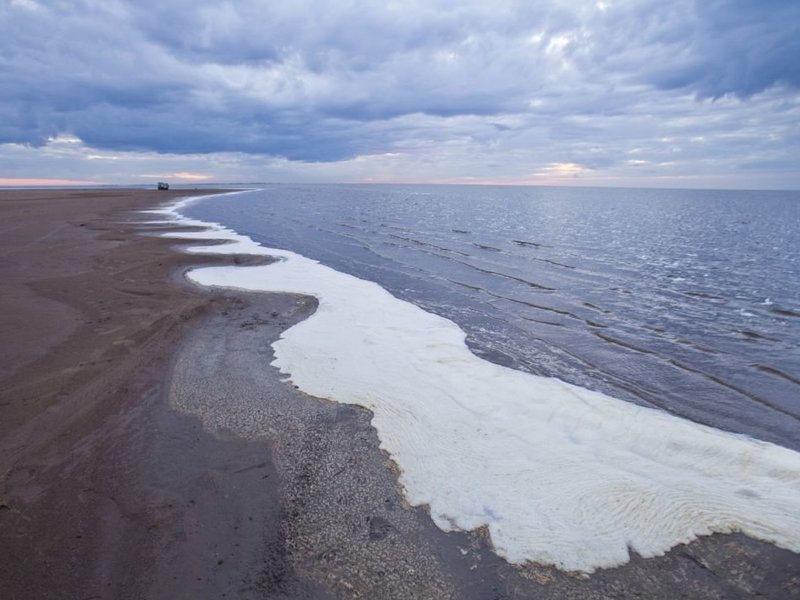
147	450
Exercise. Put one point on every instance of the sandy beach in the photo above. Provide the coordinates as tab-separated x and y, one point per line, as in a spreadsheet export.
148	450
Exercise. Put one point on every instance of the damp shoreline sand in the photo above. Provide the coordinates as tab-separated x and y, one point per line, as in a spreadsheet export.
148	450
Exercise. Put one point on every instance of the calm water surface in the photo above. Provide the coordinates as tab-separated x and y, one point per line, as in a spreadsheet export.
684	300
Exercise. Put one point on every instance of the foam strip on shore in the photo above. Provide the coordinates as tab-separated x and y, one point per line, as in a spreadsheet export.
558	474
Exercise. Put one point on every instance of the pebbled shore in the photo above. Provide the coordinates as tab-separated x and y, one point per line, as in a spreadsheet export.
148	451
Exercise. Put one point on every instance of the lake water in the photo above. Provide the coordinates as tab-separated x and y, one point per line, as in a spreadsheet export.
684	300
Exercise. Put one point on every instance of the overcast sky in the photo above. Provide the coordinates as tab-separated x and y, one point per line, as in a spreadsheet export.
644	92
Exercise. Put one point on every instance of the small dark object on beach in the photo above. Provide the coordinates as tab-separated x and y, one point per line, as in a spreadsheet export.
163	186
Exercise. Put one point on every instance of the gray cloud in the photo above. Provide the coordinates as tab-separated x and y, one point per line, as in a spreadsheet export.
550	82
736	47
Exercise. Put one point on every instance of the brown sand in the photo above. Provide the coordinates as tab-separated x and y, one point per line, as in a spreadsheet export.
147	451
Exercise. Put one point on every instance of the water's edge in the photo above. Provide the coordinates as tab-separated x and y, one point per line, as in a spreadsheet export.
559	474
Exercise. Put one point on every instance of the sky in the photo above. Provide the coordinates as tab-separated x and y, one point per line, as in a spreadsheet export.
685	93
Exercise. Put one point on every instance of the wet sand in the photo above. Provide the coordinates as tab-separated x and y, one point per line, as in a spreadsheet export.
147	450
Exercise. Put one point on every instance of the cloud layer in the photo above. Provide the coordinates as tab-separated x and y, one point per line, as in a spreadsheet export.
614	89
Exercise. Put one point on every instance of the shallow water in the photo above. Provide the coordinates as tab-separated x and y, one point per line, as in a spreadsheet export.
685	300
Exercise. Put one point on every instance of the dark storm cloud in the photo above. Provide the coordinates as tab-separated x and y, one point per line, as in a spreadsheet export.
320	82
736	47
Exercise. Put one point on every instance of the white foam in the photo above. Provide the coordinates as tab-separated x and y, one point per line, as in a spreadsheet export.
558	474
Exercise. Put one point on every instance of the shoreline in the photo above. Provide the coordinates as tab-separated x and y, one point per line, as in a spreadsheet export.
108	490
480	444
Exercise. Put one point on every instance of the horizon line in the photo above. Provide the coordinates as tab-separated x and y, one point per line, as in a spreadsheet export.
44	183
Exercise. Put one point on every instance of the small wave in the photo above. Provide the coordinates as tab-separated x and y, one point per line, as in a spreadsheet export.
476	288
594	324
543	322
627	345
735	388
620	290
778	372
507	276
558	264
558	311
754	335
703	349
426	244
784	312
594	307
527	244
705	296
486	247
